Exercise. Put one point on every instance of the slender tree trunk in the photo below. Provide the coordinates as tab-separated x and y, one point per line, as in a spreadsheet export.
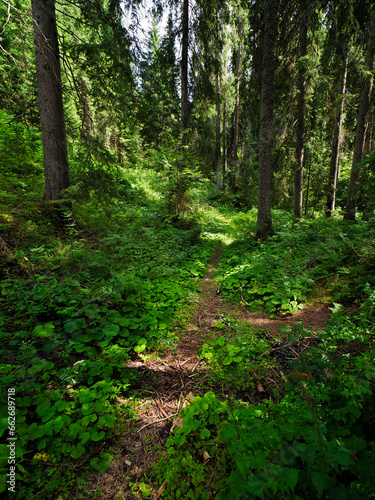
236	119
336	146
56	167
264	223
184	71
360	137
219	178
300	147
225	145
308	187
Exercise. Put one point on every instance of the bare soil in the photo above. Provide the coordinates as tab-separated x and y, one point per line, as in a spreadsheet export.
167	384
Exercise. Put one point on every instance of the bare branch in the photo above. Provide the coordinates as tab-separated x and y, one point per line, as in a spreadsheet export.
24	112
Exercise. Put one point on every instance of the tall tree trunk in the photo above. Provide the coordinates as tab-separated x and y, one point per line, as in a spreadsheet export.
264	223
336	146
219	178
301	118
184	71
360	136
233	162
56	167
225	145
308	186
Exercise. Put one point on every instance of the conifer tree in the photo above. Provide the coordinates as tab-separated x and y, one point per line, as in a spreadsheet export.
264	222
56	167
362	122
301	113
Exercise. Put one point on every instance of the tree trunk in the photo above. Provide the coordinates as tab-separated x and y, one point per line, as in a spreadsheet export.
360	136
184	71
56	167
225	146
264	223
336	146
219	179
233	162
301	118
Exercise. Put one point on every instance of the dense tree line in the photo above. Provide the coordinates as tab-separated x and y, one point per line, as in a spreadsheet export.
271	99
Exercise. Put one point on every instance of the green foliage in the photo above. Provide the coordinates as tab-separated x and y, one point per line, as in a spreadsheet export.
74	308
277	276
20	158
237	358
317	441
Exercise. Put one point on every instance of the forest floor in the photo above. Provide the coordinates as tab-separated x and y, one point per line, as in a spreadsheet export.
168	382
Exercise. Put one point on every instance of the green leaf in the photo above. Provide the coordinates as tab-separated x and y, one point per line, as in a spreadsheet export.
77	450
85	437
101	464
289	477
44	330
87	408
205	433
142	344
219	325
320	481
97	436
111	330
73	325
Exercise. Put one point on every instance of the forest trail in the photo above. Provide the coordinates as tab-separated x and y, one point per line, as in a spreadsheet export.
168	383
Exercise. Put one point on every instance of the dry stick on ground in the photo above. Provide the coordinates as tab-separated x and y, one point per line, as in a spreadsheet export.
158	402
160	490
186	360
156	422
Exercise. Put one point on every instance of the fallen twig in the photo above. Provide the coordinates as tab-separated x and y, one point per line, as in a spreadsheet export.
161	409
156	422
160	490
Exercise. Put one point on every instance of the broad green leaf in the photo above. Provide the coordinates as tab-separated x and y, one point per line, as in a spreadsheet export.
77	451
43	330
97	436
101	464
320	481
73	325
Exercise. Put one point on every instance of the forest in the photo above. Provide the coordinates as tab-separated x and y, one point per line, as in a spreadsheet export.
187	249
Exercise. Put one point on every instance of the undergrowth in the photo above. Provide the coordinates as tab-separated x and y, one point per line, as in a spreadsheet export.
313	436
316	441
83	290
96	281
278	275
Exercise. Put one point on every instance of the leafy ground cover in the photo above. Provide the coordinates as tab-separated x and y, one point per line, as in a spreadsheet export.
82	292
277	276
313	435
96	291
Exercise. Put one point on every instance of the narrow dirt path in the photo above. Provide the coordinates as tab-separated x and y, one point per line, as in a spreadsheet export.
166	384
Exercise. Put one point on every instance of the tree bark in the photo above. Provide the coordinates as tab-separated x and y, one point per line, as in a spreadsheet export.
225	146
184	71
360	137
219	178
233	162
264	222
336	146
301	118
56	166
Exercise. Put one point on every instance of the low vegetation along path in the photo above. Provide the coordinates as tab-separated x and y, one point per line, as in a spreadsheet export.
168	383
